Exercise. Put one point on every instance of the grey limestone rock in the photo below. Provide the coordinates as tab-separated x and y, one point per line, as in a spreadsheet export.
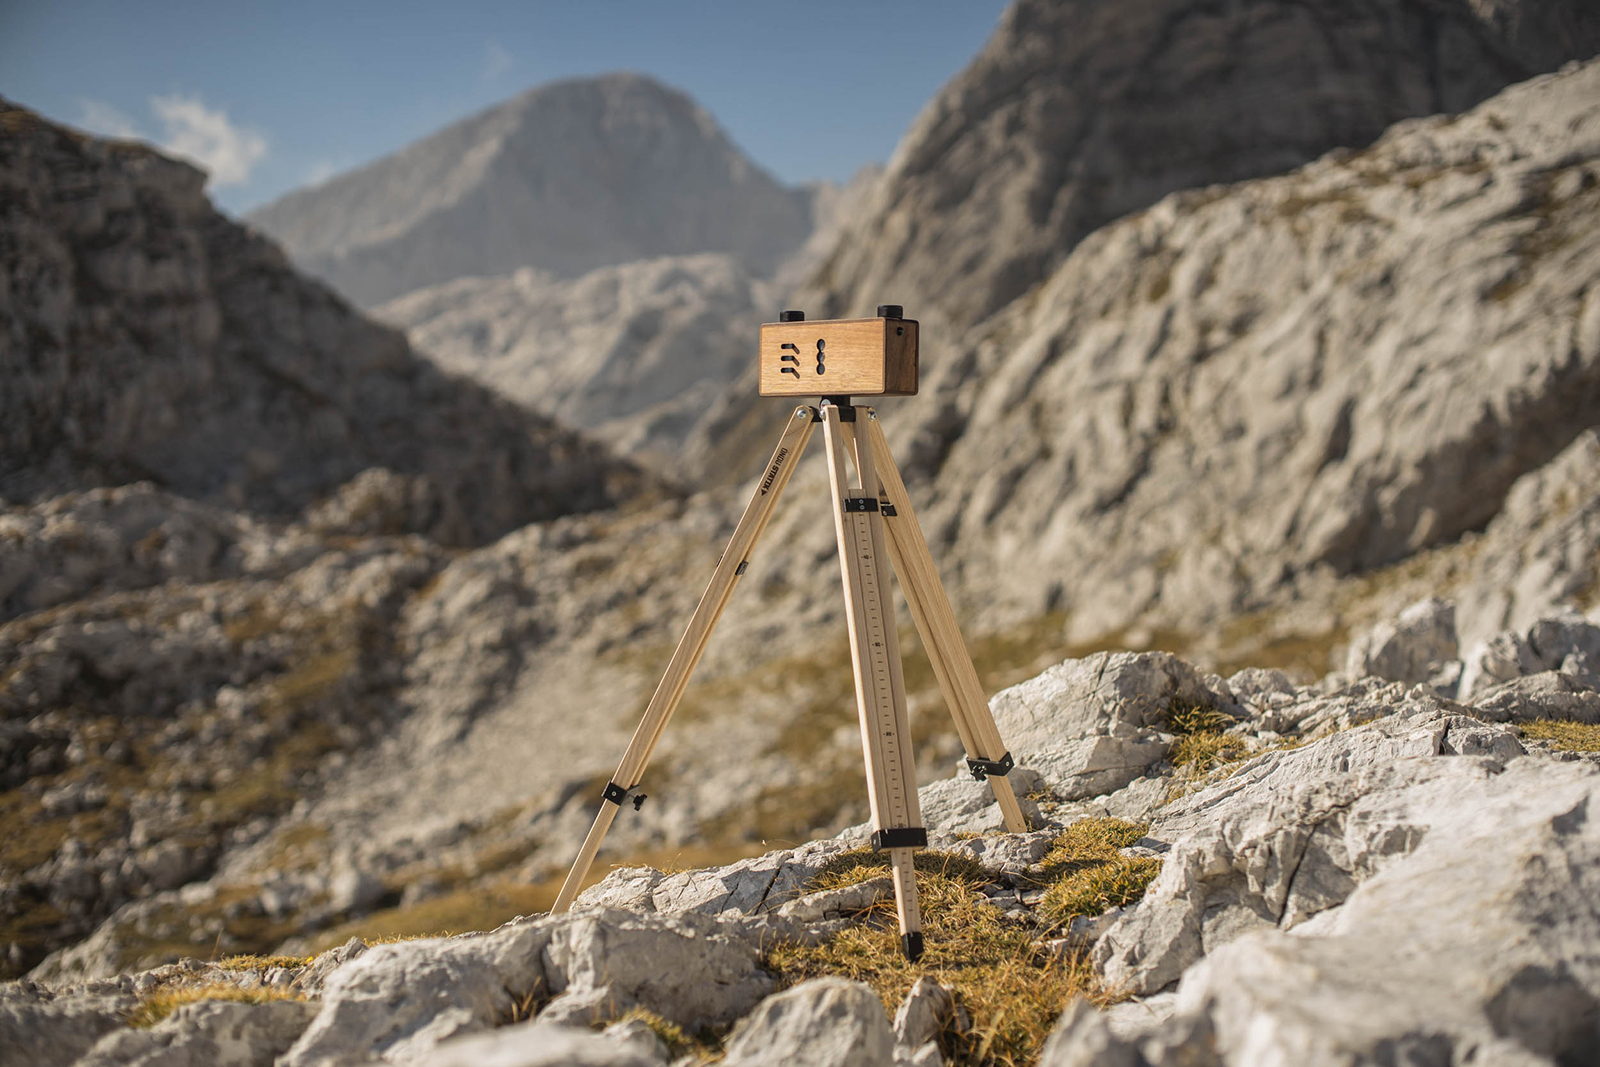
1083	1038
824	1022
1511	977
688	968
207	1033
923	1014
45	1030
838	903
1546	695
762	883
1091	726
1292	833
397	1001
1412	648
1501	658
537	1044
963	805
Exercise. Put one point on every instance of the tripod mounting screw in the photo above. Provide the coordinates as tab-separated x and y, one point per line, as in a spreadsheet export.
891	311
791	316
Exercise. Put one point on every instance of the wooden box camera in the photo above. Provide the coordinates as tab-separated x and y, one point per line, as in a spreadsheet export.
839	357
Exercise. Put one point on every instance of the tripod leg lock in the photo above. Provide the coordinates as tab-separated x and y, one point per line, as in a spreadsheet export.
982	768
900	837
616	794
860	503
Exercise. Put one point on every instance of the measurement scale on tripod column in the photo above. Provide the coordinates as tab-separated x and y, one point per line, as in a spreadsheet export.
875	654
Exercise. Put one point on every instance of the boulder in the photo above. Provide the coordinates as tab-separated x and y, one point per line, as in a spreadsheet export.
1412	648
824	1022
1083	1038
1292	833
964	805
923	1014
1546	695
537	1044
1493	660
207	1033
686	968
1093	725
42	1030
1511	857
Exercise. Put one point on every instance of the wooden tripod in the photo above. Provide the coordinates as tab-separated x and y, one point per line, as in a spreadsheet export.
860	510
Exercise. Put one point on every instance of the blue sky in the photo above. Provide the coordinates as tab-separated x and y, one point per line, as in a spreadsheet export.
273	96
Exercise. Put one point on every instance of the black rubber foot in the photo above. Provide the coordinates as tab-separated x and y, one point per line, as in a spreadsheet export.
911	945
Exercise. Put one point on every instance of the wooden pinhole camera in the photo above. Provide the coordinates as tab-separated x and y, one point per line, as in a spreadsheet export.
839	357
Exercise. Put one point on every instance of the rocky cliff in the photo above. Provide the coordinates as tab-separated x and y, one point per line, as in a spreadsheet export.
565	178
632	354
1076	114
143	336
1239	398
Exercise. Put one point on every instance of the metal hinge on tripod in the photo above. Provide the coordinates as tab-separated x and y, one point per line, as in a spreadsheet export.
861	503
982	768
616	794
900	837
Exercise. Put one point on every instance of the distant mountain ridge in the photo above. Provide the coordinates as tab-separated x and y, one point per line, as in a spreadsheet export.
564	178
146	337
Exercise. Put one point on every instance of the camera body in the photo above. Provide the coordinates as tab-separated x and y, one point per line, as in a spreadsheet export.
839	357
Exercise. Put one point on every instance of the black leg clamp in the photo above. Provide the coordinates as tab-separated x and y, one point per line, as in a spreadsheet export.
982	768
616	794
861	503
911	945
900	837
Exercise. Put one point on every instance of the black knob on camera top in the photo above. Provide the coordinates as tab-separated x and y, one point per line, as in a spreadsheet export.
791	316
891	311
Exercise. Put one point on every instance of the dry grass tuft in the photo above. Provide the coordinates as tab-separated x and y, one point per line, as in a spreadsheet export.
861	864
1011	991
1564	733
1010	988
1093	890
156	1006
1086	872
264	963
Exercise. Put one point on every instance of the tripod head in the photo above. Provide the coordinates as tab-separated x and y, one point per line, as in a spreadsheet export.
839	357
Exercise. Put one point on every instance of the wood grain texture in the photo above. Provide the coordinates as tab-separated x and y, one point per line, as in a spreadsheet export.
785	457
860	357
936	622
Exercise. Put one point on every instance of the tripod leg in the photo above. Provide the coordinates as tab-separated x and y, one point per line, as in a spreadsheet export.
941	637
695	636
880	688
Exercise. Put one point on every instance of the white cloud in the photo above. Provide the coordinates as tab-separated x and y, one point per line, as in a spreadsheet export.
205	136
496	61
100	117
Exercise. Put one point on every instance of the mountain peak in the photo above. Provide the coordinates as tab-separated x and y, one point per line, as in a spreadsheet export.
564	178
